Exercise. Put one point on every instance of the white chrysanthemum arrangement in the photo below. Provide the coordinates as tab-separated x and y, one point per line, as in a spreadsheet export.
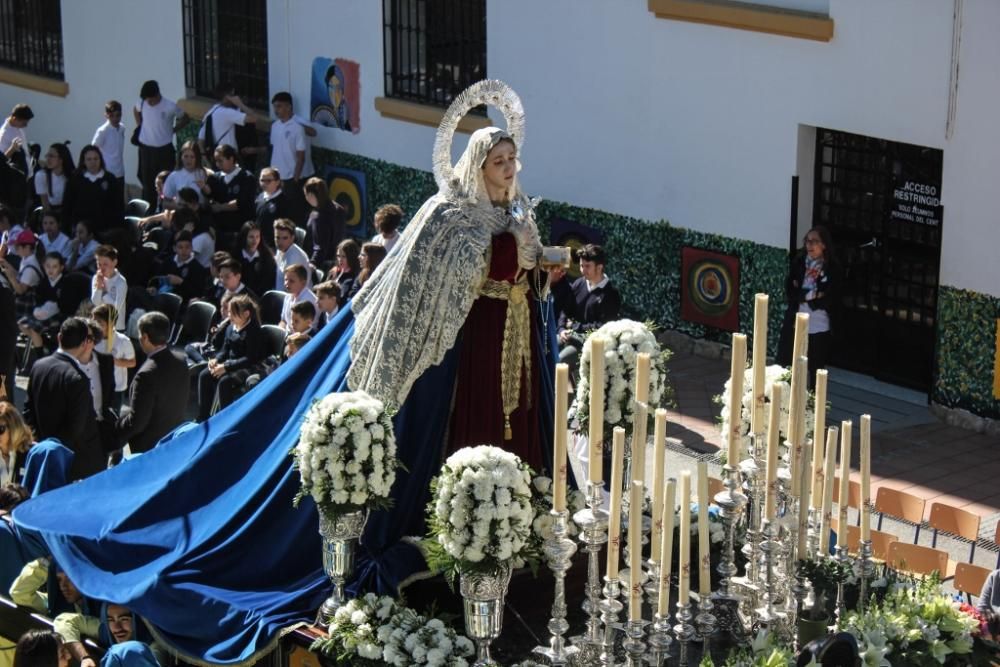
541	502
773	374
373	630
480	515
623	340
346	454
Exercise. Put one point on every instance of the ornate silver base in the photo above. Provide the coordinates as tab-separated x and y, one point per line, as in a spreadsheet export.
593	523
559	552
339	533
482	601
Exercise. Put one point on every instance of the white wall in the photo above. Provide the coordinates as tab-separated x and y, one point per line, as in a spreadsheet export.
653	118
109	48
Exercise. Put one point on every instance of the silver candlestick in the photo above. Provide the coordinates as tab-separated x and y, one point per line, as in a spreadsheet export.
660	639
559	551
865	571
732	501
791	544
843	560
749	585
800	591
593	523
706	622
635	648
610	608
684	631
768	618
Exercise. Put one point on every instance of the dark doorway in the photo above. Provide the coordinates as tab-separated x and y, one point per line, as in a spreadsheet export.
881	201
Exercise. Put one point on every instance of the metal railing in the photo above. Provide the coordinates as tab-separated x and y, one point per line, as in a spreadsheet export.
226	40
434	49
31	37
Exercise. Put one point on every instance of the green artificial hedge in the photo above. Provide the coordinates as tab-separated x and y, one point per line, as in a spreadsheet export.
966	349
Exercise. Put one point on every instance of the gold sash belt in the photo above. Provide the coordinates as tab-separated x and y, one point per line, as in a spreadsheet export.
516	352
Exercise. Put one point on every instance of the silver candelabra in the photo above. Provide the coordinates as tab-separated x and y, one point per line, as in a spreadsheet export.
559	551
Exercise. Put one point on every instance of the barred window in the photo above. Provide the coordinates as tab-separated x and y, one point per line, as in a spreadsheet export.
31	37
434	49
226	40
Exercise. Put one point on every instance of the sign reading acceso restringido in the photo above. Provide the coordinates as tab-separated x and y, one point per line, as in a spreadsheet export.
917	202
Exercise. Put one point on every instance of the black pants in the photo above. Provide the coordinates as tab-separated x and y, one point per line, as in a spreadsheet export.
820	347
296	200
229	387
153	160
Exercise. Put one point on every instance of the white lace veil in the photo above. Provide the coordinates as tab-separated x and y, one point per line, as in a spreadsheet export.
409	313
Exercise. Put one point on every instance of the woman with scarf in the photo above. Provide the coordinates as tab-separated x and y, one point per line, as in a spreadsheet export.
813	287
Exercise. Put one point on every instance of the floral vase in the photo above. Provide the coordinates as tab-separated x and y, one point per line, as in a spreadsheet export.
483	600
339	532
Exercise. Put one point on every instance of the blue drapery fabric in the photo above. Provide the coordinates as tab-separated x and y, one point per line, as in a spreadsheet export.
129	654
199	536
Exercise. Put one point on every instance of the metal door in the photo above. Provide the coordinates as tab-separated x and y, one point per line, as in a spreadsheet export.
881	201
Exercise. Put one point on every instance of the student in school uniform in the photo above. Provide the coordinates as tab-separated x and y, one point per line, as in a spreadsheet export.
290	152
93	195
218	128
157	118
110	140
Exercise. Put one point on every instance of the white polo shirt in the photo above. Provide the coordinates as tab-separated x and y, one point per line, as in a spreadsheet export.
287	138
294	255
158	122
290	300
58	187
224	122
182	178
8	133
111	141
114	293
60	244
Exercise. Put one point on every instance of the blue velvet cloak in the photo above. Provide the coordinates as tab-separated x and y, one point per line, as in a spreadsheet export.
199	536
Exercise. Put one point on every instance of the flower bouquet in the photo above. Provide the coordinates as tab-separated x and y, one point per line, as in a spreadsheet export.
541	505
480	521
623	340
374	630
346	458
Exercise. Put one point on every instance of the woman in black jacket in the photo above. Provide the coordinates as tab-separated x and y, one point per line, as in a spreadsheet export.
348	267
231	193
326	225
93	194
242	351
256	257
813	287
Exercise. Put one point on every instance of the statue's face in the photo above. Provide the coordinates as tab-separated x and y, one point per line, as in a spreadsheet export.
500	168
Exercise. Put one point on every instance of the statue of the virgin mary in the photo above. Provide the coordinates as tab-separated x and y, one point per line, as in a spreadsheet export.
199	536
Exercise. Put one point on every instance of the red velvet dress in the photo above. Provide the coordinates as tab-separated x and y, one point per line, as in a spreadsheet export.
477	417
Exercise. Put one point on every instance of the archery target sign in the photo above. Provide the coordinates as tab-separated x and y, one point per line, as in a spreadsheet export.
349	189
710	289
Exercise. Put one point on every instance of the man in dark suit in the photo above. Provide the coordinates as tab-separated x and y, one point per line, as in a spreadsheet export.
159	391
60	402
586	304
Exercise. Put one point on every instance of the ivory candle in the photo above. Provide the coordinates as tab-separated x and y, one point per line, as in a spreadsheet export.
642	362
666	548
639	442
796	420
704	558
684	561
615	508
757	416
819	432
635	553
596	426
803	552
559	461
845	478
866	476
829	468
773	438
737	369
659	445
800	346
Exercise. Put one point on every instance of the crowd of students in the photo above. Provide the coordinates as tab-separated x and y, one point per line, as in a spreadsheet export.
83	271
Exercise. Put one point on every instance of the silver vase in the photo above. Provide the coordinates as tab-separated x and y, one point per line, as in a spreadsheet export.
340	532
483	600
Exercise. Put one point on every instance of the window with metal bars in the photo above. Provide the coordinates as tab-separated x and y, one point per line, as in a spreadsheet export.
434	49
226	40
31	37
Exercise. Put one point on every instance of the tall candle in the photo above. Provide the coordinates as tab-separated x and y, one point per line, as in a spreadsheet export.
666	548
803	552
866	476
845	479
704	558
800	346
684	561
615	508
819	433
635	554
642	362
829	468
773	439
757	416
659	445
559	461
796	411
737	369
596	431
639	442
